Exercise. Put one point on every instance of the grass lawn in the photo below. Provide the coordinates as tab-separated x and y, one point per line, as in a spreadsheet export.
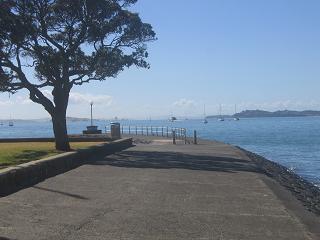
17	153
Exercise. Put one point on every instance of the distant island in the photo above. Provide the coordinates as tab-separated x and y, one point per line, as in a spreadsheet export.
283	113
77	119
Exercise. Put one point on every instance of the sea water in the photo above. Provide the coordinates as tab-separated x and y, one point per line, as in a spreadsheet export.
292	142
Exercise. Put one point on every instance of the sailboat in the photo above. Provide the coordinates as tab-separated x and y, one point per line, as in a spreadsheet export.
235	112
10	122
221	119
205	121
172	119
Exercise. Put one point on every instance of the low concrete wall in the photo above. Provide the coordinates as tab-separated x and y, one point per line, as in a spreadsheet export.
14	178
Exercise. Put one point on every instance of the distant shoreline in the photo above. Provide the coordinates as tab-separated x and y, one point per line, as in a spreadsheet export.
283	113
243	114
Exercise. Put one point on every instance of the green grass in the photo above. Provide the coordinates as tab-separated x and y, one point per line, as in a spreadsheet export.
17	153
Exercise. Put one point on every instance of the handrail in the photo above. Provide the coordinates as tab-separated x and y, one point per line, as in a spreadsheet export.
163	131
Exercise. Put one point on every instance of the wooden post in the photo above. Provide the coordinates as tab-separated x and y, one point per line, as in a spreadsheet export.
174	136
167	132
129	130
136	130
142	130
162	131
195	137
122	129
185	136
147	131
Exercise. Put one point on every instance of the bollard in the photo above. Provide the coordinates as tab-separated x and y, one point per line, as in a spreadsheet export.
185	136
142	130
173	136
147	131
129	130
167	132
195	137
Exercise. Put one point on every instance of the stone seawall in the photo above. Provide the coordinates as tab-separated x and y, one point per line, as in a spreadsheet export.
302	189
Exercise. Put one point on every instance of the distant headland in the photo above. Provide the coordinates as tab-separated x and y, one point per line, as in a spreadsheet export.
282	113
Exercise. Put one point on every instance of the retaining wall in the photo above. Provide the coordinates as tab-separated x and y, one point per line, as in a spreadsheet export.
14	178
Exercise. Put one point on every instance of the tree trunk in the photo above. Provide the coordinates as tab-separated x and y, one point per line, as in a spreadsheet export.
60	131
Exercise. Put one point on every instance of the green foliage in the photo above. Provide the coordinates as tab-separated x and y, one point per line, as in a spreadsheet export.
69	41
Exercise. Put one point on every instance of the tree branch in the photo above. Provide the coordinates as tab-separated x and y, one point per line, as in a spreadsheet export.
35	94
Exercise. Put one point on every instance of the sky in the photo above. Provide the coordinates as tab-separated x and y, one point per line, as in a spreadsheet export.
257	54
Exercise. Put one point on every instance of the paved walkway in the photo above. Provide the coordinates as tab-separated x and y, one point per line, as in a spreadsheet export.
156	191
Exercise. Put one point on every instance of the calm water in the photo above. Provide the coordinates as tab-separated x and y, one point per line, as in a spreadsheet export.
292	142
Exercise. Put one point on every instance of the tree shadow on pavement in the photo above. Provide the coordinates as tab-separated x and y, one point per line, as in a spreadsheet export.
170	160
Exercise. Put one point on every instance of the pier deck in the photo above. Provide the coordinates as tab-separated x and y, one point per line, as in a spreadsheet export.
157	190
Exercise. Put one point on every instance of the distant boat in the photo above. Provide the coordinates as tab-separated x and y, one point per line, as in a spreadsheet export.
205	121
10	122
221	119
172	119
235	112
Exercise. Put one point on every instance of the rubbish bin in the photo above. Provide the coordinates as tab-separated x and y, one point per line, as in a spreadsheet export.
115	130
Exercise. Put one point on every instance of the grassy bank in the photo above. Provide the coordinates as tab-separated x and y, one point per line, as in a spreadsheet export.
17	153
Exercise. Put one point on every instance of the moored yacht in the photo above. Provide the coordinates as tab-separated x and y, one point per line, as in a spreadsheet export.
221	119
205	121
235	112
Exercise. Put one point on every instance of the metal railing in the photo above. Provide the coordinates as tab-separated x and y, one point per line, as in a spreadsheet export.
180	133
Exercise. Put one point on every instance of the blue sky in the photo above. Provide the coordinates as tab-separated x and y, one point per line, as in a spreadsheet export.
258	54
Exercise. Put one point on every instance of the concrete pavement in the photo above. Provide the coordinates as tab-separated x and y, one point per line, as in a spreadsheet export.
159	191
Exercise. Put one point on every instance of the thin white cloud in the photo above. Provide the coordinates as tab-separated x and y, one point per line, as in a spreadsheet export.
23	100
6	102
185	103
75	98
79	98
84	98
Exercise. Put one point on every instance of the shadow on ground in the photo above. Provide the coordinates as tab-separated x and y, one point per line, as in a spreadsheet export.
23	157
61	192
28	155
170	160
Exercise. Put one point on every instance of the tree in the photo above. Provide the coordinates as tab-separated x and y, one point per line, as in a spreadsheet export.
66	43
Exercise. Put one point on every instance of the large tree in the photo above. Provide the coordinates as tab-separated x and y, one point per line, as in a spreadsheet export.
66	43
